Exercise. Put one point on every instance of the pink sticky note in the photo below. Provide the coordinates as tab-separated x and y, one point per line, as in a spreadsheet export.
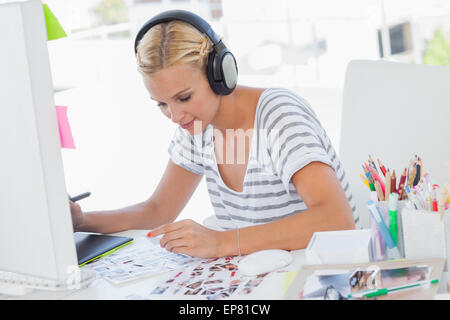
65	134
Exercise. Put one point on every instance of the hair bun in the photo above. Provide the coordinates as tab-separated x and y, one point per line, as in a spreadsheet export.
204	48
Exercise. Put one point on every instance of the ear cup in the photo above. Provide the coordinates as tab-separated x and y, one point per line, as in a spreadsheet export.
229	71
222	71
210	70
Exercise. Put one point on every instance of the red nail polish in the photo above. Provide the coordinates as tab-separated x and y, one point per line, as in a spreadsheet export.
149	234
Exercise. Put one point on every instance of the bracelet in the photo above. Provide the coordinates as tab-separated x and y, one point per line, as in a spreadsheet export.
238	242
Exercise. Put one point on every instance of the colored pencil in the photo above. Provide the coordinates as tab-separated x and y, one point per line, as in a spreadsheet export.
365	180
393	182
369	178
401	185
377	178
373	163
388	186
382	168
379	191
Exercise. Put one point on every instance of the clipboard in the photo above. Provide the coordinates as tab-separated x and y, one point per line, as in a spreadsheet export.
423	293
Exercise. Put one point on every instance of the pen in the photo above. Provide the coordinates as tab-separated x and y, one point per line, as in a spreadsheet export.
430	191
384	291
412	199
424	193
422	198
412	176
418	171
80	197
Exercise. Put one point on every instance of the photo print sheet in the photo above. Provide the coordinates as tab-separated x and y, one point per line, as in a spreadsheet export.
140	259
209	279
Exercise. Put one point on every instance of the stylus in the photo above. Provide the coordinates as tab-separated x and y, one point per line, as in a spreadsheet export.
80	196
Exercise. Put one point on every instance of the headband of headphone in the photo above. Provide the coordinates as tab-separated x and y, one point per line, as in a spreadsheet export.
222	68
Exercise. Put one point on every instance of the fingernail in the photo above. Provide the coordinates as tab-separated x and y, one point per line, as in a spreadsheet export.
149	235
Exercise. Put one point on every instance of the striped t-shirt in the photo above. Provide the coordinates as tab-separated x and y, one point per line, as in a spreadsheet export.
286	137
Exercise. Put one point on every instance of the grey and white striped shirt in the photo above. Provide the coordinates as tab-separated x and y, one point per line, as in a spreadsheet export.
286	137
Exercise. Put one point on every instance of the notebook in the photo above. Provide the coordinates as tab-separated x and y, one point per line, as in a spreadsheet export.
91	246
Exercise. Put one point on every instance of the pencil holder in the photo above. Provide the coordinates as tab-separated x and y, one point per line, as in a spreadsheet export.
425	234
395	226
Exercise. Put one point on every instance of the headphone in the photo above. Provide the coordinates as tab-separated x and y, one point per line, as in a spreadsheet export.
222	69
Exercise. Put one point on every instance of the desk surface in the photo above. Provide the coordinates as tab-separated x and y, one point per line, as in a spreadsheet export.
271	289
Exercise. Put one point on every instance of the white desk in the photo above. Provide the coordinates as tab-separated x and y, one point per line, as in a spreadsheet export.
271	288
101	289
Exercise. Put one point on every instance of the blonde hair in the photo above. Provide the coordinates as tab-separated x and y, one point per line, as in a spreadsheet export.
171	43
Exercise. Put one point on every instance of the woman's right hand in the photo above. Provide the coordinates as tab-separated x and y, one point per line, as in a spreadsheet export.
77	215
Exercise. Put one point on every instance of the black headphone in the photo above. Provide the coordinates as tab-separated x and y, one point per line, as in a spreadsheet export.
222	68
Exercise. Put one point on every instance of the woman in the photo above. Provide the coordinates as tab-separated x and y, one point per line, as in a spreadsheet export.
273	177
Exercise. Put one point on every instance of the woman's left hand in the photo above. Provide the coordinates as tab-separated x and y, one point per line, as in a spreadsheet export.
189	237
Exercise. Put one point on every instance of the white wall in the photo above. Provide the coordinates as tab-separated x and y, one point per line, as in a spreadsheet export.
121	137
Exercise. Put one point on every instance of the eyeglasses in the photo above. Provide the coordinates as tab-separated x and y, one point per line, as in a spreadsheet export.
331	293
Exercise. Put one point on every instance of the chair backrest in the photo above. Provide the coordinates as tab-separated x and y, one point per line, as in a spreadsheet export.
393	111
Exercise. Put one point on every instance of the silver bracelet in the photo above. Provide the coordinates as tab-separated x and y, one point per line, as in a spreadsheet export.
238	242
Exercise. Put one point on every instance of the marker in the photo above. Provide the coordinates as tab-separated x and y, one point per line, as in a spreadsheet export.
434	202
393	228
384	291
80	197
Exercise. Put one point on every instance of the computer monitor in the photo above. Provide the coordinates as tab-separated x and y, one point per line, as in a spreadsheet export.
36	233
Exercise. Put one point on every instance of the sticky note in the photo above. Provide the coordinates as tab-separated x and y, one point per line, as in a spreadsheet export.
54	29
65	134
